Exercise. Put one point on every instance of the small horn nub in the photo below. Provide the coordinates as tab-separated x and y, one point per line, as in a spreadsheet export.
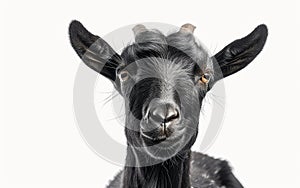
139	28
187	28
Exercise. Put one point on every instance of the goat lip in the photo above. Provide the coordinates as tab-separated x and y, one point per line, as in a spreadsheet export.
144	135
155	139
160	138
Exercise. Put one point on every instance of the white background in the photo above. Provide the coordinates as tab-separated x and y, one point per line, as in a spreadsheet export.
40	144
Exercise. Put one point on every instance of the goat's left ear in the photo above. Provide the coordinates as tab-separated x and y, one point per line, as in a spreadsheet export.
241	52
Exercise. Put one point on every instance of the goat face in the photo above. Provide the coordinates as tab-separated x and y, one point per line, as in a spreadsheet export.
163	87
163	80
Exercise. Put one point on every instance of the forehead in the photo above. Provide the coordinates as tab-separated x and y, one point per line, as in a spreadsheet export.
155	53
164	69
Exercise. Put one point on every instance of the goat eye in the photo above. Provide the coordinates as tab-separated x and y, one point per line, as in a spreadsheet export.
124	75
205	78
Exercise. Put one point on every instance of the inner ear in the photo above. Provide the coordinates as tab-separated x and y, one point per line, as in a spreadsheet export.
241	52
94	51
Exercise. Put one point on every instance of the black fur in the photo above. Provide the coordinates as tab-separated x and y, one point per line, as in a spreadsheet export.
241	52
206	172
178	52
94	51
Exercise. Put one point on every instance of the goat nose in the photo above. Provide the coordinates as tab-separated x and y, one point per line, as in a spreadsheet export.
164	113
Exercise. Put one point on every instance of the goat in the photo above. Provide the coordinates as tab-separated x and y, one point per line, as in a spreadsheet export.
164	80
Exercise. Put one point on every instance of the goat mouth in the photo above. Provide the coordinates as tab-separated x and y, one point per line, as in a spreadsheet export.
151	139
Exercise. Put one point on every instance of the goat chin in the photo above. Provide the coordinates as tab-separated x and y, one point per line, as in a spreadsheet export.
165	149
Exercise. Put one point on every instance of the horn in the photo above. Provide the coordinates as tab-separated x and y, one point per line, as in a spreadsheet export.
138	29
187	28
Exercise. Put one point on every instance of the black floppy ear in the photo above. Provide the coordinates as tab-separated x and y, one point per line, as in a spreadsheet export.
241	52
94	51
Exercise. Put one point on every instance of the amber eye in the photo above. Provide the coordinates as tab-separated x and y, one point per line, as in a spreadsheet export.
205	78
124	75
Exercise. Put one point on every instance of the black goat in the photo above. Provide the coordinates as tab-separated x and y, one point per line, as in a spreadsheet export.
164	80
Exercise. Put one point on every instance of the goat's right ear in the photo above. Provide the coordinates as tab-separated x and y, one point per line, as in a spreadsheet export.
94	51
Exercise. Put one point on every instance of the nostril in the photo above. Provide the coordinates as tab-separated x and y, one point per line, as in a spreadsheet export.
158	115
172	115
